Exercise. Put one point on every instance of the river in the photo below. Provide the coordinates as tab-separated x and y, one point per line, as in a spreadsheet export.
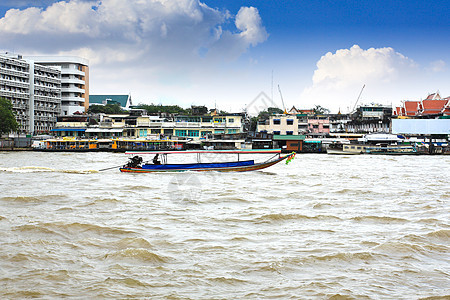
321	227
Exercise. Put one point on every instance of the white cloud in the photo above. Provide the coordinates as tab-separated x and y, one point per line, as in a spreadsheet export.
165	30
340	76
146	47
249	22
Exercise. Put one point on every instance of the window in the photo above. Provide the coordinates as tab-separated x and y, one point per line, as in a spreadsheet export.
290	122
276	132
276	121
180	132
232	130
289	132
193	133
231	120
206	133
315	126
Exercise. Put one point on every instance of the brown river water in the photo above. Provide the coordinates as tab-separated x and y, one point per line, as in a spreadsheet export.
321	227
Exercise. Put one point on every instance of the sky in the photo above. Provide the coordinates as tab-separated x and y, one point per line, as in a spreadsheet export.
244	55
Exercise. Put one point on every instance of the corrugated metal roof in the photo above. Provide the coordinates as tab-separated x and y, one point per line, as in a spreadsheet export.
288	137
109	99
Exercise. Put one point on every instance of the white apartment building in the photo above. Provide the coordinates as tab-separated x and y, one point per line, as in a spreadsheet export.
34	91
74	81
279	125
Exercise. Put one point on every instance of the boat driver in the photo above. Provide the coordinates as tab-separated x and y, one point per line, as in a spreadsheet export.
156	160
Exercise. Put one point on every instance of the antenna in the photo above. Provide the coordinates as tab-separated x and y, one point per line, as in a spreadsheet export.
272	86
358	97
282	101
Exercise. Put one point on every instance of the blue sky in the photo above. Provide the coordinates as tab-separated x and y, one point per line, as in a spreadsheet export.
225	53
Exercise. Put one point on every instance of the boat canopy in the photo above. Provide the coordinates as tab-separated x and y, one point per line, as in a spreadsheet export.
242	151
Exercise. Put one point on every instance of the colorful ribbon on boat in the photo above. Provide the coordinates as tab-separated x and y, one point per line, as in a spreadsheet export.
290	157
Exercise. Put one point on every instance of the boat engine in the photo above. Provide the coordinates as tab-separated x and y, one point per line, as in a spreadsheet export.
135	162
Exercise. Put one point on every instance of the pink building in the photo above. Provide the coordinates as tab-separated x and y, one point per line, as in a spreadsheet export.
319	124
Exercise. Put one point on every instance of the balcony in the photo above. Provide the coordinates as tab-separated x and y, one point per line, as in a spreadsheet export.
73	99
72	90
74	71
73	81
14	83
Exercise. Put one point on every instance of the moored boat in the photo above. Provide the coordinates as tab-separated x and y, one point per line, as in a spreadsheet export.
342	149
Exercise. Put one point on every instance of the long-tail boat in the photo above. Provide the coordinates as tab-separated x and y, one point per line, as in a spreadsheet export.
159	162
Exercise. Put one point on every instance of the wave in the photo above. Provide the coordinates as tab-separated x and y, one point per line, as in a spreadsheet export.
400	248
137	254
24	199
35	229
343	256
24	294
132	243
131	282
443	234
225	280
104	201
33	169
382	219
72	228
287	217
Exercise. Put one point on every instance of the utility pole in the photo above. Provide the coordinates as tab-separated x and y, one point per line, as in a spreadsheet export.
282	101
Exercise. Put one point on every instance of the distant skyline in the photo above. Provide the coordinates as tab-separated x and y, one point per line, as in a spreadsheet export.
225	53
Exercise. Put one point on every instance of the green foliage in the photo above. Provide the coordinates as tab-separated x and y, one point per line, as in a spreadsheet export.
274	110
253	123
171	109
8	121
270	111
319	110
106	109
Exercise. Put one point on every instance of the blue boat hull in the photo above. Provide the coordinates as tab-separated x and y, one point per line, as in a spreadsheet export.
198	165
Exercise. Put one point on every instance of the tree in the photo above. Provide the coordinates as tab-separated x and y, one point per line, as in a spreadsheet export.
319	110
106	109
270	111
8	121
171	109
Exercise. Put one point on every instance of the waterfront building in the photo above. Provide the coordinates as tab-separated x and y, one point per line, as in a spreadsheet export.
431	107
296	111
124	101
319	124
137	124
74	81
338	122
279	124
34	91
369	119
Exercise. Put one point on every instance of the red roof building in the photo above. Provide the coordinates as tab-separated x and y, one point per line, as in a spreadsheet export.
433	104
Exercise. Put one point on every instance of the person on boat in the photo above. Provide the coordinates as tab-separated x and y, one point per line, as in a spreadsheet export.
156	160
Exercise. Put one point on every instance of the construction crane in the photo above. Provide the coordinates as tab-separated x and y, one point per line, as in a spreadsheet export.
282	101
358	97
